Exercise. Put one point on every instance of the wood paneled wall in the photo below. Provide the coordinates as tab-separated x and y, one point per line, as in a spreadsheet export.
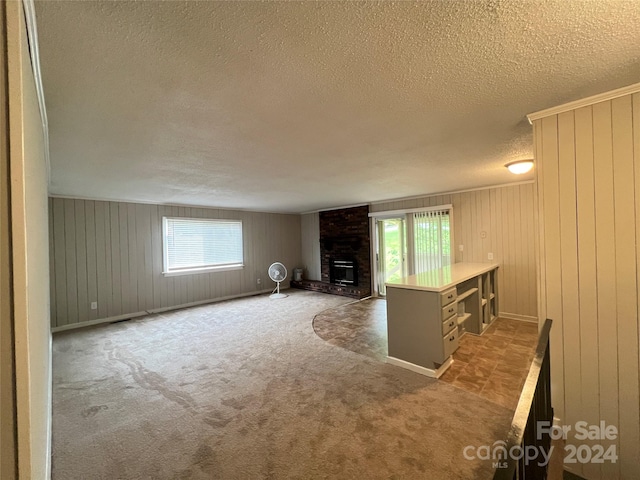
311	245
111	253
588	188
496	220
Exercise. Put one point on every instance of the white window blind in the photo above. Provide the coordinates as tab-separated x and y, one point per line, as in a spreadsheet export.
200	243
432	240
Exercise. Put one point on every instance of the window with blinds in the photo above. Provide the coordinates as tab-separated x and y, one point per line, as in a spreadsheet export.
201	244
431	240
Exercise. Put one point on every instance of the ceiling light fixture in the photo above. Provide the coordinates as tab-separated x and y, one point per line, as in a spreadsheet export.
520	166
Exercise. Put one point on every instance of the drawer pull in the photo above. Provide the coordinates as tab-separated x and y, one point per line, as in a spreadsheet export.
450	296
451	323
451	339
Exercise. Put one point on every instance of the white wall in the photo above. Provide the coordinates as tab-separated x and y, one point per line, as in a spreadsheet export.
588	189
8	447
29	179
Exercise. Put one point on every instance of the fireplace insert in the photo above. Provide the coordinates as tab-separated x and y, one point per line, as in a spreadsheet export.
343	272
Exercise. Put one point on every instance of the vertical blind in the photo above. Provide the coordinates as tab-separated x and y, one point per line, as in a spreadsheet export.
432	240
192	243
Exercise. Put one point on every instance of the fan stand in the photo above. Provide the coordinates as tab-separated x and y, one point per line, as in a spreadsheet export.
278	295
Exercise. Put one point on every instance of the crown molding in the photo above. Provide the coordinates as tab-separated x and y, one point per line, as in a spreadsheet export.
453	192
601	97
423	195
166	204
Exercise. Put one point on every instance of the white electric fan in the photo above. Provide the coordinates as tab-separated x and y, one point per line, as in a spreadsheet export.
277	273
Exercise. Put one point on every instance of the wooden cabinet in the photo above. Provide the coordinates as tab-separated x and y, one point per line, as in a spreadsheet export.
427	313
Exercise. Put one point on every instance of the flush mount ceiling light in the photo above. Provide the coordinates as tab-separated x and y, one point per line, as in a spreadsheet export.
520	166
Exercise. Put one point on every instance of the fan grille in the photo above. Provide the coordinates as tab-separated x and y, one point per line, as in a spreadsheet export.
277	272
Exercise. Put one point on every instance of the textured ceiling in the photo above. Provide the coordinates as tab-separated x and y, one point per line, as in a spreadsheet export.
301	106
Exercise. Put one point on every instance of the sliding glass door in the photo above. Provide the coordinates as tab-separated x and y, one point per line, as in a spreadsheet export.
411	242
431	240
391	251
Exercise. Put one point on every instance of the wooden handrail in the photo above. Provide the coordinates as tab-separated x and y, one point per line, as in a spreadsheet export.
534	406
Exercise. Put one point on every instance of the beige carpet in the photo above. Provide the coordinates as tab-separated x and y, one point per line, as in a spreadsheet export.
245	390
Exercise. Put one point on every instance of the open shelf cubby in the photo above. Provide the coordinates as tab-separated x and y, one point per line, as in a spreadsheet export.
477	303
468	293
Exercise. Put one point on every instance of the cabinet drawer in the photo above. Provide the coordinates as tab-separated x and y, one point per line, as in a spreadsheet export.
449	310
449	324
448	297
450	343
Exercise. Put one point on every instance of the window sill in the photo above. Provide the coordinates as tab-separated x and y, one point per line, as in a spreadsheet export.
195	271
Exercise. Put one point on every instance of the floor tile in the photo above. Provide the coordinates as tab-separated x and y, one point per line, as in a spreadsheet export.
453	371
492	365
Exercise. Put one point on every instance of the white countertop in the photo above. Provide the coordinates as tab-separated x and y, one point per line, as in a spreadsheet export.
442	278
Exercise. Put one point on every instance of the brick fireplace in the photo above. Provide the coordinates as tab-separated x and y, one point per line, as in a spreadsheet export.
345	254
344	235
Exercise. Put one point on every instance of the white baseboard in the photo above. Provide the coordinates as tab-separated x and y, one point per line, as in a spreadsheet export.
419	369
127	316
99	321
212	300
517	316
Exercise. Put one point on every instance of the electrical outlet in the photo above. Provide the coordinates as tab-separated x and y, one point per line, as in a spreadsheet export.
490	255
259	281
94	305
461	247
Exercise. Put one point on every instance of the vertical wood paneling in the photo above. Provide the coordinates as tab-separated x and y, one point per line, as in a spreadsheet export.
142	233
70	256
457	228
626	284
531	234
52	263
147	248
606	269
103	291
553	285
122	254
109	290
159	282
519	257
113	252
487	245
60	276
597	264
92	261
467	219
569	255
508	242
132	262
588	292
499	250
81	263
474	233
